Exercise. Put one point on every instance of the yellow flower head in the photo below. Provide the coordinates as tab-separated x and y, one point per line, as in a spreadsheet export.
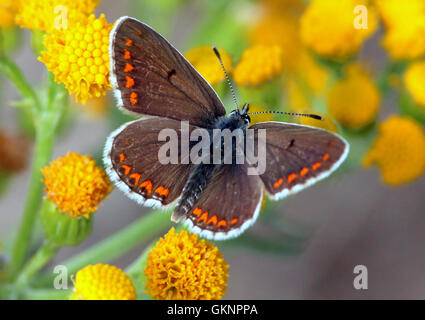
103	282
405	27
258	64
76	184
414	78
399	150
48	15
279	30
354	100
205	61
182	267
78	57
8	10
327	27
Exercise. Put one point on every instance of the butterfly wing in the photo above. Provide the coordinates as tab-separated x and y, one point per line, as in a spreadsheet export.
151	77
228	205
131	158
297	156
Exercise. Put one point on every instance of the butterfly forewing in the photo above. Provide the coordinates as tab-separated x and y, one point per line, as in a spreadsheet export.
132	161
151	77
298	156
229	204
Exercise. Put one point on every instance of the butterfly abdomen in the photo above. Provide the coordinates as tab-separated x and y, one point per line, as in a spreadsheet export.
196	183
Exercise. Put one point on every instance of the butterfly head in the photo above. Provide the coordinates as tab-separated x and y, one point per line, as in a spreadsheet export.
240	116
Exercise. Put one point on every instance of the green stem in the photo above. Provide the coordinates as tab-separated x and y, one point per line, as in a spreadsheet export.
43	150
12	71
117	244
135	272
46	294
38	261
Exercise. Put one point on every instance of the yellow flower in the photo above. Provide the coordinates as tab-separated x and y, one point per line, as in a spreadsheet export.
327	27
76	184
48	15
182	267
258	64
399	150
414	78
354	100
8	10
103	282
78	57
278	29
207	64
261	117
405	27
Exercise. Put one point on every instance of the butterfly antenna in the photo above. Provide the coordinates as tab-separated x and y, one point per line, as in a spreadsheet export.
308	115
227	77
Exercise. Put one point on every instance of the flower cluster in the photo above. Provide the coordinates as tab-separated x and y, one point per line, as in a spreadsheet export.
182	267
258	65
8	9
399	150
327	28
49	15
405	27
76	184
354	100
78	57
103	282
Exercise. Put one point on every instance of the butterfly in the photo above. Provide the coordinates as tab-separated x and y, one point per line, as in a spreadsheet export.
151	78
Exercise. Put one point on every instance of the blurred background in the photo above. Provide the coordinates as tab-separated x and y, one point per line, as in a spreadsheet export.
306	246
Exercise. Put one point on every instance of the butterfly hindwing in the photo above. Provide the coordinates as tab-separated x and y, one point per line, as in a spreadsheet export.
228	205
297	156
132	162
151	77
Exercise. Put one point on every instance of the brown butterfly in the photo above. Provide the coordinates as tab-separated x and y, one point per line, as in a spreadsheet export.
218	201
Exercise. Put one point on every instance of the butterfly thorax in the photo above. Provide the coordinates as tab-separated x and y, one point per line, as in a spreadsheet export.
237	119
203	172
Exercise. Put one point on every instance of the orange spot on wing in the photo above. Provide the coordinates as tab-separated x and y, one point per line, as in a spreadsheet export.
326	157
213	220
122	157
133	98
147	185
138	32
126	168
278	183
197	212
128	67
234	220
163	192
130	82
303	172
222	223
129	43
292	177
204	217
316	166
136	177
127	54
